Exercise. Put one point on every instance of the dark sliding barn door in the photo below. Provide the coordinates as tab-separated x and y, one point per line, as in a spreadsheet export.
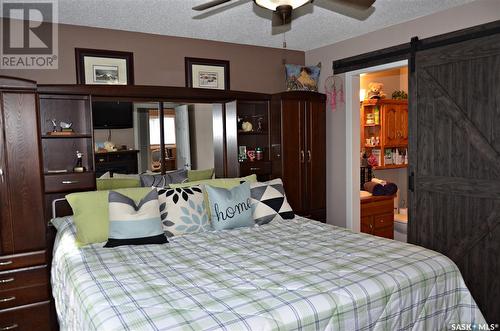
455	160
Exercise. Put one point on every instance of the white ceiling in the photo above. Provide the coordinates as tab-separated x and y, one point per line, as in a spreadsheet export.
244	22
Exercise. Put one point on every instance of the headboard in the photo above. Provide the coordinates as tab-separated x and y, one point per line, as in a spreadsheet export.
60	207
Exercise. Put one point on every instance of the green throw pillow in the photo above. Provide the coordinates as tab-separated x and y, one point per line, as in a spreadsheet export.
195	175
90	213
116	183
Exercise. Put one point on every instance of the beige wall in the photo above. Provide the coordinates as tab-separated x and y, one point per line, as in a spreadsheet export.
159	60
474	13
201	136
393	79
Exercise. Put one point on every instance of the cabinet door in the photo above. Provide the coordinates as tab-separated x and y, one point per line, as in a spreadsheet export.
293	152
5	218
390	124
316	155
403	124
23	175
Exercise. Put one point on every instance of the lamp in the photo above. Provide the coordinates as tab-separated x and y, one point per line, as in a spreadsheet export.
274	4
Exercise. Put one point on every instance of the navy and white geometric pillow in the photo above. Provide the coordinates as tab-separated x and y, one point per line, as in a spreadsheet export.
182	210
269	202
134	224
159	180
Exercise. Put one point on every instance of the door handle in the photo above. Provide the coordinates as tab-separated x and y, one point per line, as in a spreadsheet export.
302	156
12	298
1	175
309	156
9	327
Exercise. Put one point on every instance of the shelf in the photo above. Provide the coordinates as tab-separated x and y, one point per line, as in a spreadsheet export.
67	173
371	146
252	133
391	166
72	136
371	125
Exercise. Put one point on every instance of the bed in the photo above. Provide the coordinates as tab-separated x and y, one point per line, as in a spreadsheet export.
287	275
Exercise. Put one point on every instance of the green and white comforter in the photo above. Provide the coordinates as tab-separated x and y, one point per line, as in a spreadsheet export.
287	275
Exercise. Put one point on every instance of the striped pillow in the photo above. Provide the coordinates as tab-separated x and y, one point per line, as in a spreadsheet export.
131	224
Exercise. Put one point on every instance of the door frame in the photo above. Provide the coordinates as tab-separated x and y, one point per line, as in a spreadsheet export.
353	133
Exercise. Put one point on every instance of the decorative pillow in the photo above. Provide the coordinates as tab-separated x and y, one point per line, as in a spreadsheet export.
90	213
302	78
231	208
131	224
159	180
195	175
219	182
269	202
183	210
116	183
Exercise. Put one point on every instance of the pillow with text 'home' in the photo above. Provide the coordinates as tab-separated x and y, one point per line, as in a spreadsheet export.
230	208
183	211
269	202
134	224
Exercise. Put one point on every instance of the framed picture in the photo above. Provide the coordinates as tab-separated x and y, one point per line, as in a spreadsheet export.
103	67
207	73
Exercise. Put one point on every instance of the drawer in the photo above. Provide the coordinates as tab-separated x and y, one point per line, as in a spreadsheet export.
383	221
256	167
27	318
122	157
70	182
9	262
379	207
101	158
24	295
387	232
23	277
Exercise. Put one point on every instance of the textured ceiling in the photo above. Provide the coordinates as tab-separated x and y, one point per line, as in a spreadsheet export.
242	21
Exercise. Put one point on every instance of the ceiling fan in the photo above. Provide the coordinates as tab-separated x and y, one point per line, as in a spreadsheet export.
283	9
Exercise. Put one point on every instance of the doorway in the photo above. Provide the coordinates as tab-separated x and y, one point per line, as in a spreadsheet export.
353	141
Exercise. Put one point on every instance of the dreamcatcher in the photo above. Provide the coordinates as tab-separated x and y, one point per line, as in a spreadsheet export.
334	90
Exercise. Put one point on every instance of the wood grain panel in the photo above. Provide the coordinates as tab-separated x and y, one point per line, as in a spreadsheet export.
455	155
23	168
7	242
316	154
293	153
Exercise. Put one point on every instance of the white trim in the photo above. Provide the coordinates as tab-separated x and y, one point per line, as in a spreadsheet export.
353	140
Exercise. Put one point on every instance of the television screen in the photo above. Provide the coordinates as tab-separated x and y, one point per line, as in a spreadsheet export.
112	115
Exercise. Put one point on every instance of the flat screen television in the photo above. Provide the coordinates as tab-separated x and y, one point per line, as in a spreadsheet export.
112	115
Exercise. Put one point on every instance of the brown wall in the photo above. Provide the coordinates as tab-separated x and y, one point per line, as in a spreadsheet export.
159	60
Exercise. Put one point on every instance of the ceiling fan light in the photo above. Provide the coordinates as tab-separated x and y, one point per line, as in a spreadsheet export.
273	4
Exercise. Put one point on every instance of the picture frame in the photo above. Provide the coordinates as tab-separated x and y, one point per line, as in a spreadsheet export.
104	67
207	73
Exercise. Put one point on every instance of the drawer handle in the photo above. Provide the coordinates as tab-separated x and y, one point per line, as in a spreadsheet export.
9	327
12	298
6	280
70	181
254	169
381	221
5	263
101	160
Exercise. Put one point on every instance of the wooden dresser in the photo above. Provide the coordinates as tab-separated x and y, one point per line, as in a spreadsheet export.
377	216
25	300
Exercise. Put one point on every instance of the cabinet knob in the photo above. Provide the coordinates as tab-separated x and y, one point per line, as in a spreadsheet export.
254	169
1	175
302	156
9	327
309	156
2	263
6	280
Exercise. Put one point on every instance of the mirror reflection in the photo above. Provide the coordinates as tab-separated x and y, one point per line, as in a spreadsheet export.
128	137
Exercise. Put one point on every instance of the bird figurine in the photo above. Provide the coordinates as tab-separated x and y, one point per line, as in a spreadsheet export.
65	125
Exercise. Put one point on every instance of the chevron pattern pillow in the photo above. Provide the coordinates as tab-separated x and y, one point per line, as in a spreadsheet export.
134	224
269	202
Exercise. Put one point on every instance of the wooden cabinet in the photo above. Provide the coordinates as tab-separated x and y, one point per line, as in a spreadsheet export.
123	162
389	125
377	216
24	279
298	150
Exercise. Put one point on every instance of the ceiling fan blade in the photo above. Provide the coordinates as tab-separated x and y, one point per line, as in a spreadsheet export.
357	4
209	4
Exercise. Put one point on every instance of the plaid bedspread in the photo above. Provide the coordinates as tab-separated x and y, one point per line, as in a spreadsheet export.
286	275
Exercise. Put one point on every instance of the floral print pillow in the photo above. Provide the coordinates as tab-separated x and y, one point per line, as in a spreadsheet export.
182	210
